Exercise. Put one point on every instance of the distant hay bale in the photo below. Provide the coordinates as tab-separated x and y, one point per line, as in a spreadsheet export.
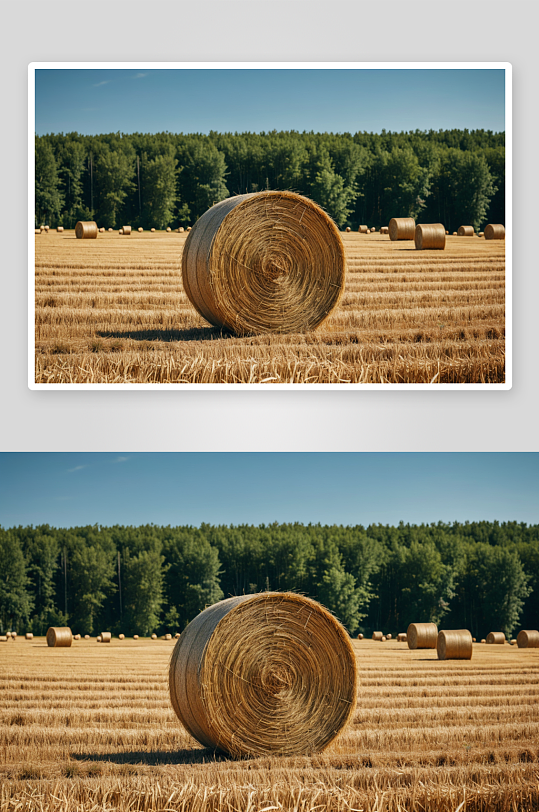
188	228
473	640
135	637
401	228
422	635
481	233
46	228
169	229
454	645
152	230
181	230
377	635
483	640
360	636
3	638
126	230
60	229
465	231
38	231
528	639
384	638
513	642
168	636
447	232
140	229
388	636
497	638
98	639
384	230
265	674
13	635
106	637
494	232
347	229
102	230
402	637
373	230
76	637
121	637
110	229
363	229
176	636
86	636
154	636
86	230
8	635
29	636
429	236
121	231
268	262
454	234
59	637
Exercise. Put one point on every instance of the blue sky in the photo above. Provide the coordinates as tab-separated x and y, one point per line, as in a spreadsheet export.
92	101
68	489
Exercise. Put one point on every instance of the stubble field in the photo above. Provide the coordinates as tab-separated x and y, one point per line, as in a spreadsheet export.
91	728
113	310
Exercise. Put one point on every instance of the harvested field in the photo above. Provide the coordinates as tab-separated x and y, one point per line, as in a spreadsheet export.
92	727
113	310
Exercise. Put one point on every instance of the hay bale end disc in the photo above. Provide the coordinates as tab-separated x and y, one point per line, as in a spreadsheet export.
498	638
271	673
465	231
401	228
269	262
59	637
454	645
528	639
422	635
430	235
106	637
494	232
86	230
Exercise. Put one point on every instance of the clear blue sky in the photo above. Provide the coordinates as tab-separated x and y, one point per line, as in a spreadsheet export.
68	489
92	101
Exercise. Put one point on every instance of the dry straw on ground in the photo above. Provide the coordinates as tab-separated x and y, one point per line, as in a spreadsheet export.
528	638
269	262
270	673
465	231
377	635
86	230
494	232
496	637
454	644
422	635
401	228
59	637
430	235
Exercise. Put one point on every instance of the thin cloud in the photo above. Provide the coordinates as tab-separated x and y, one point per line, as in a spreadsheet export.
140	75
76	468
121	459
104	82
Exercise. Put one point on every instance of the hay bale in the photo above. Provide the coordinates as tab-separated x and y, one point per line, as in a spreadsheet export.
377	635
496	638
454	645
135	637
13	635
422	635
348	229
360	636
269	262
429	236
494	232
38	231
76	637
110	229
528	639
384	230
483	640
140	229
28	636
98	639
363	230
176	636
169	229
121	637
446	231
373	230
188	228
86	636
106	637
102	230
402	637
121	231
481	234
388	636
454	234
86	230
3	638
465	231
513	642
473	640
152	230
271	673
60	229
46	229
154	636
384	638
59	637
401	228
168	636
181	230
8	635
126	230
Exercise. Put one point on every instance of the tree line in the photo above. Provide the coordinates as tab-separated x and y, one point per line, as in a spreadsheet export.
481	576
456	177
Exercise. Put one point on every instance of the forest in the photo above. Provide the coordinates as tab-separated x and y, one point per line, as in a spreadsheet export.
456	177
480	576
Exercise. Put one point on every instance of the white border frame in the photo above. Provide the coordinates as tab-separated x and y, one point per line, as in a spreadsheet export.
506	66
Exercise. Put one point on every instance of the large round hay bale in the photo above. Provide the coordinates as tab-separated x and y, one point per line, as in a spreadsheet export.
455	644
401	228
528	639
422	635
28	636
60	229
269	262
363	229
465	231
59	637
106	637
377	635
429	235
271	673
126	230
86	230
498	638
494	232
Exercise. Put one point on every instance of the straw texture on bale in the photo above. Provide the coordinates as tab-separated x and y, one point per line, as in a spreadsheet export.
528	639
363	229
264	262
496	637
377	635
126	230
401	228
465	231
429	235
272	673
29	636
422	635
454	645
60	229
59	637
86	230
494	232
106	637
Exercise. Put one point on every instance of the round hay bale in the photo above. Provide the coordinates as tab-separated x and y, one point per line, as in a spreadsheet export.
28	636
126	230
13	635
422	635
176	636
513	642
389	636
102	230
401	228
121	637
481	234
269	262
188	228
106	637
497	638
373	230
76	637
46	229
402	637
429	236
454	234
8	635
60	229
140	229
98	640
86	230
454	645
384	638
135	637
348	229
528	639
38	231
169	229
494	232
181	229
360	636
363	229
377	635
154	636
473	640
110	229
483	640
384	230
121	231
152	230
272	673
465	231
168	637
59	637
3	638
86	636
447	232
